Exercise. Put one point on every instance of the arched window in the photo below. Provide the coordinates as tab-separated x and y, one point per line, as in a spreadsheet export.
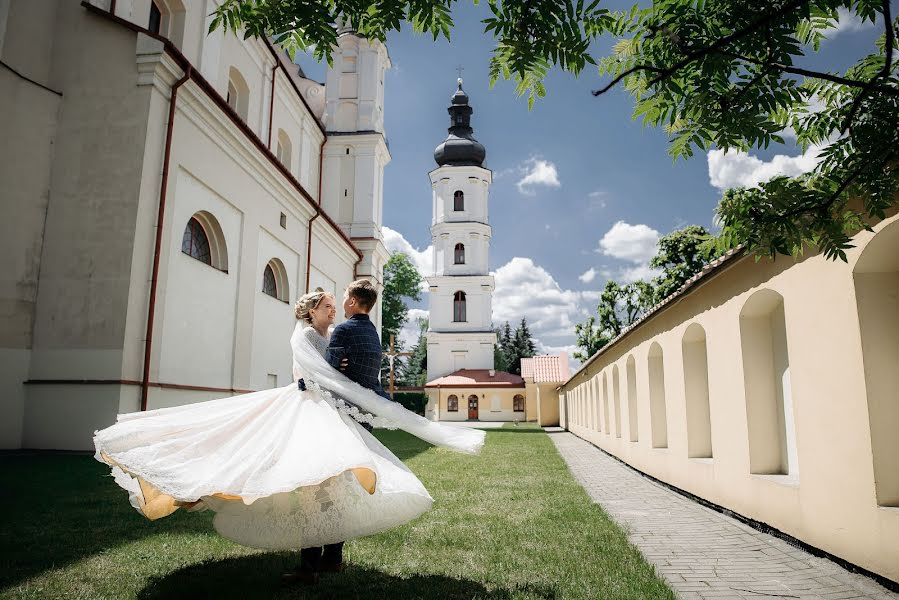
696	393
460	254
269	284
274	280
766	379
658	414
203	240
459	307
238	96
518	403
458	201
167	18
155	18
283	149
452	403
195	242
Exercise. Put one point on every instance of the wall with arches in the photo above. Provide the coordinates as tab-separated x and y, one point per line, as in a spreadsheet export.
769	389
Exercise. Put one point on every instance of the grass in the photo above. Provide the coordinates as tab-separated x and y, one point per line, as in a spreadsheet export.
510	523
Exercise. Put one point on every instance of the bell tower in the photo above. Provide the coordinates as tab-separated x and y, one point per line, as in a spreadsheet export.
461	289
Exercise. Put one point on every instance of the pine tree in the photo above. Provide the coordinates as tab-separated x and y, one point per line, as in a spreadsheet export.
415	369
522	346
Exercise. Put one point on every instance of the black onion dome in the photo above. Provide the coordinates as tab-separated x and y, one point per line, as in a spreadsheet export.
460	148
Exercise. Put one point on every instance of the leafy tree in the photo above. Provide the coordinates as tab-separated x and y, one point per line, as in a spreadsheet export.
590	339
401	280
681	254
713	73
724	73
531	36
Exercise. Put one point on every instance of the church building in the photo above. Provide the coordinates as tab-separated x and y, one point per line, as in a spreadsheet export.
168	194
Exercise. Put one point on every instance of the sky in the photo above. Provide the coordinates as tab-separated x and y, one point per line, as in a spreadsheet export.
581	192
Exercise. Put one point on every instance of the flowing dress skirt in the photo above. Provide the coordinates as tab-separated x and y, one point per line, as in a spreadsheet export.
281	468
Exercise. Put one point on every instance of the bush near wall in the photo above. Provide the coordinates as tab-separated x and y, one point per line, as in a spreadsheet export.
414	401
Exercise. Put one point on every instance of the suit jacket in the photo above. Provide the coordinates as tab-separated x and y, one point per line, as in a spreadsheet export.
356	339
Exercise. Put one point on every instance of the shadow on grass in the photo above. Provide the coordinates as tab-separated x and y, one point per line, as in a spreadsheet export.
63	508
259	576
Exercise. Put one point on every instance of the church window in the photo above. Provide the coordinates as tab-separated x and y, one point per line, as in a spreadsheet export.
459	307
155	23
269	285
518	403
284	148
195	242
460	254
452	403
274	280
458	201
238	96
204	240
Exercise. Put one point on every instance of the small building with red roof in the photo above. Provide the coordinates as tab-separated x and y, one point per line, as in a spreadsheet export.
490	395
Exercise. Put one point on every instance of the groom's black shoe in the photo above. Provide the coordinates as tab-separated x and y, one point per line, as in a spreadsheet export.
332	567
300	576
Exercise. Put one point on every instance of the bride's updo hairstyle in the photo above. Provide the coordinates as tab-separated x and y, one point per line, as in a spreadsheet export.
307	303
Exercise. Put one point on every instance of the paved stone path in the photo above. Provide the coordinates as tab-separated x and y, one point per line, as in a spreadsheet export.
702	553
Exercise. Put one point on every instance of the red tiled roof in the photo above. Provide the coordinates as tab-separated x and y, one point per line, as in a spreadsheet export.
477	378
546	369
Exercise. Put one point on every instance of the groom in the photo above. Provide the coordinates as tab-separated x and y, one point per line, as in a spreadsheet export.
355	349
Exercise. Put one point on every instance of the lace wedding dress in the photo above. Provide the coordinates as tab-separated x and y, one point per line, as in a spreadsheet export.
281	468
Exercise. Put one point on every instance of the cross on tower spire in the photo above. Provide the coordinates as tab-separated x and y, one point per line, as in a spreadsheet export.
459	69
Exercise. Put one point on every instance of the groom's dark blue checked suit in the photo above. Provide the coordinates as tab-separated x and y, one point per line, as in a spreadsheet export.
357	340
362	347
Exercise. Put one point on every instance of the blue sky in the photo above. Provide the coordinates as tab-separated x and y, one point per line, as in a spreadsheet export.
602	187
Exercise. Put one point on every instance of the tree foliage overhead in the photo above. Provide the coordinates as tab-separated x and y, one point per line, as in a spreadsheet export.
726	74
713	73
531	37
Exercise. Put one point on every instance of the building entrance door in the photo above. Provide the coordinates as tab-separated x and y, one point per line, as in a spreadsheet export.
473	407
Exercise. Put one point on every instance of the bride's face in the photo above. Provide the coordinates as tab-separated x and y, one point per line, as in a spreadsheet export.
324	313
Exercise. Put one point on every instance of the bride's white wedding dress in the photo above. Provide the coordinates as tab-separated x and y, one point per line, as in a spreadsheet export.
282	468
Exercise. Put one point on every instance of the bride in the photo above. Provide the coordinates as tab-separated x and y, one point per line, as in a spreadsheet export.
283	468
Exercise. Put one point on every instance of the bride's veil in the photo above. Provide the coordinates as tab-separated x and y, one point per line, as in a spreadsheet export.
315	369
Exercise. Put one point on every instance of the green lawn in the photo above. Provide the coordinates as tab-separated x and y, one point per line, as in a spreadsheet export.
510	523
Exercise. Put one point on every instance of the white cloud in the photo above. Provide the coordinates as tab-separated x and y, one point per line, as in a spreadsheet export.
848	23
537	171
740	169
525	289
408	335
422	259
635	243
641	271
588	275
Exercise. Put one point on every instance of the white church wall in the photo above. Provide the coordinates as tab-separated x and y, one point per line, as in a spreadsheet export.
196	335
450	352
273	318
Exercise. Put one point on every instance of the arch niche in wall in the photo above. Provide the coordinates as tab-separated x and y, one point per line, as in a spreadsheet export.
876	279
